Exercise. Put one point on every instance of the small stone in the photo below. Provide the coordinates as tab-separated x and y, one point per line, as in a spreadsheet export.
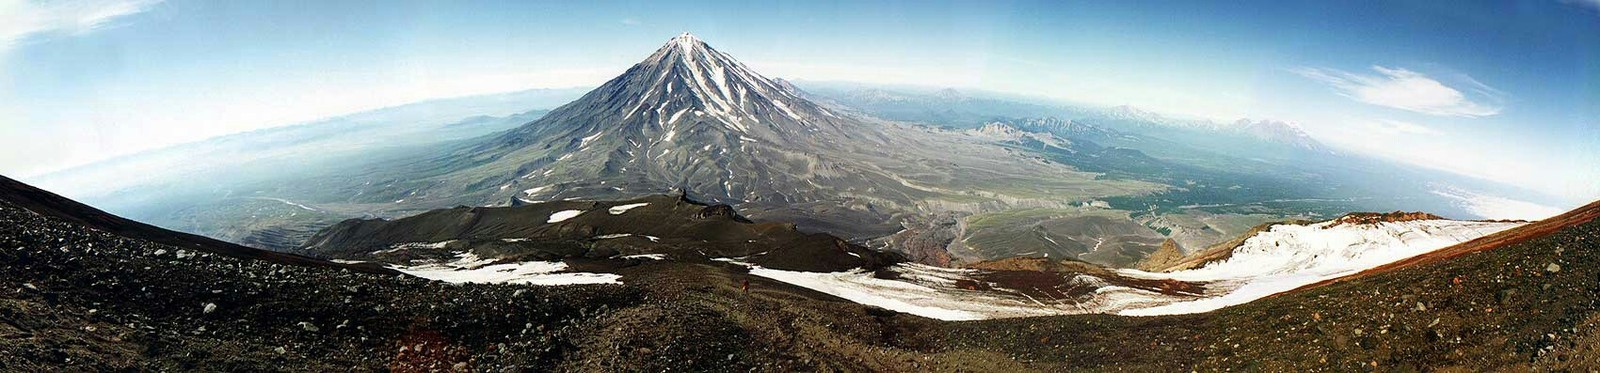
1552	268
209	308
459	367
309	327
280	350
1421	307
1505	296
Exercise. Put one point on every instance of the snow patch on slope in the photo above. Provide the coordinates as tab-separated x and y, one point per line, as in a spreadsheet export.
469	268
618	210
563	215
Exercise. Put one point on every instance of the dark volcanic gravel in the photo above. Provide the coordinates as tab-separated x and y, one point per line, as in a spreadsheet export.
80	300
72	298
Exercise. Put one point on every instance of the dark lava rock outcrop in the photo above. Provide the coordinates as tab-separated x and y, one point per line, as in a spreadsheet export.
45	203
674	226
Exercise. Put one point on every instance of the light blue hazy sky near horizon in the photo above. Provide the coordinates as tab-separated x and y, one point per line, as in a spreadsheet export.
1508	91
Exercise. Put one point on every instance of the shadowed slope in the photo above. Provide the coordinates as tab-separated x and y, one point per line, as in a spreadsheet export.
45	203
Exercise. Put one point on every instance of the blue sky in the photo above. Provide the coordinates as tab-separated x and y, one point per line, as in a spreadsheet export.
1503	90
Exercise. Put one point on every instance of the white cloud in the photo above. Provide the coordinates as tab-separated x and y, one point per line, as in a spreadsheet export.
1494	207
630	21
1409	90
128	125
1395	127
23	19
1591	4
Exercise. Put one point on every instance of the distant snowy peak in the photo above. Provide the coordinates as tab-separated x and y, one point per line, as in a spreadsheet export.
1062	127
1280	132
1133	114
1126	112
950	94
1275	131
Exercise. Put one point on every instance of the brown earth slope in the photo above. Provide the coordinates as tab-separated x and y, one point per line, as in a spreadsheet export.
1167	256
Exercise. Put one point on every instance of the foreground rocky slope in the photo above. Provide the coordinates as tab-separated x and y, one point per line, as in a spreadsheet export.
42	202
1531	301
80	299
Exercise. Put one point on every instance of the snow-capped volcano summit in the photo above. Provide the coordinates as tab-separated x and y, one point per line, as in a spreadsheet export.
687	88
688	72
694	119
687	117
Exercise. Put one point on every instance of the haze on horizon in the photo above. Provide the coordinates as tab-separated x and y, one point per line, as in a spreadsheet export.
1506	92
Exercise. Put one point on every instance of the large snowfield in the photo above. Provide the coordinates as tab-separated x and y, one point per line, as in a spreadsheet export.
1290	256
931	292
1281	259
